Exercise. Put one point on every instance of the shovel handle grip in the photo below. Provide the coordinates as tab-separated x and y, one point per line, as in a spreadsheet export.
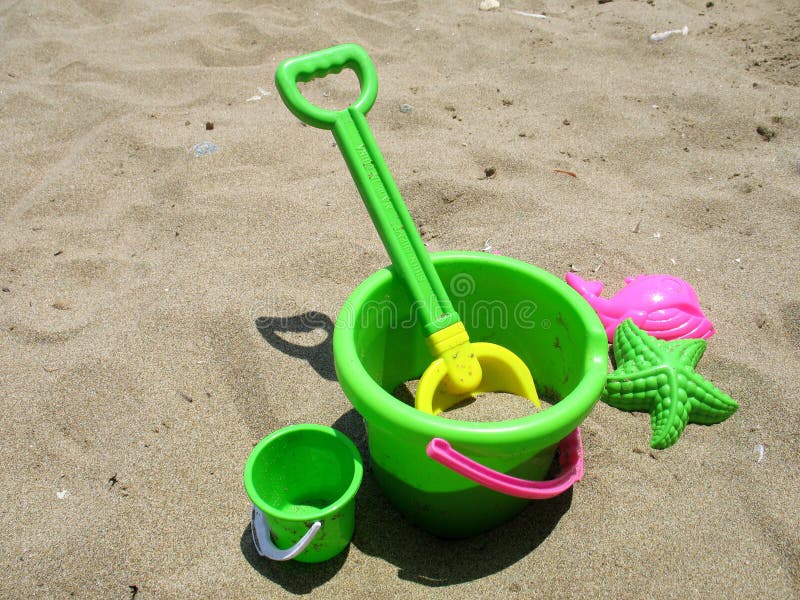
571	462
319	64
259	528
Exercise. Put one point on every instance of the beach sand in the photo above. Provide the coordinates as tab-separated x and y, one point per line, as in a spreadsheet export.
138	363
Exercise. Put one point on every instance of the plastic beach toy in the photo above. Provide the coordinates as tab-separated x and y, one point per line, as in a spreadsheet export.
658	377
302	481
462	367
550	327
570	461
662	305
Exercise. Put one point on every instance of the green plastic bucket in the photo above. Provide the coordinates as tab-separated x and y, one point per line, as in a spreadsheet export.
302	481
378	345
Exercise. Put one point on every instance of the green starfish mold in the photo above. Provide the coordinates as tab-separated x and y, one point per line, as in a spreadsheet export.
658	377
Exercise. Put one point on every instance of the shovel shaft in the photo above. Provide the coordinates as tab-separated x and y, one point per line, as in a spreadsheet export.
370	173
393	222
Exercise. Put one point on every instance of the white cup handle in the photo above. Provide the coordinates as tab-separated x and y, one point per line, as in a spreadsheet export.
263	542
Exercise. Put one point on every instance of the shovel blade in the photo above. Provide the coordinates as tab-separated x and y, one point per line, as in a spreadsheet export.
503	371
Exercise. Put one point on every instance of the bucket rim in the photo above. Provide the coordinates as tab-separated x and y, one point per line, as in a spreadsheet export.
321	514
551	425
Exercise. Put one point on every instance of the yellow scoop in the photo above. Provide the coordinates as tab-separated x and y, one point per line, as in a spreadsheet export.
465	368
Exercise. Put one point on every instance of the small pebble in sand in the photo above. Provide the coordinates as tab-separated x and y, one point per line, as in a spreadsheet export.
61	494
60	305
209	125
488	173
6	290
759	450
489	5
662	35
406	108
530	14
204	148
766	132
487	247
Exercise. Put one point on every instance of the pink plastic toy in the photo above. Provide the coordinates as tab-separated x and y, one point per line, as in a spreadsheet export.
664	306
570	460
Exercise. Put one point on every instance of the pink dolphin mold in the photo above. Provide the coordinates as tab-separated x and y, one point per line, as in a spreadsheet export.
664	306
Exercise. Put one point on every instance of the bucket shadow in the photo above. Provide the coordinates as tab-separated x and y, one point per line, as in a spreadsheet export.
295	577
435	562
319	356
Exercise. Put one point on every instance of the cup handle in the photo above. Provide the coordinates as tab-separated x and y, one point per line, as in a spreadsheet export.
570	459
259	528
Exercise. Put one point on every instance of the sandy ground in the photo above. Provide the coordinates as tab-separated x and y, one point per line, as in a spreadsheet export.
135	379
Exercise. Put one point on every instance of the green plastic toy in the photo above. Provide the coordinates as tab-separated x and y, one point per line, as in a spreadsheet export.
302	480
550	327
658	377
462	368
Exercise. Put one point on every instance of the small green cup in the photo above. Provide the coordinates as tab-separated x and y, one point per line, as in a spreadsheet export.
302	481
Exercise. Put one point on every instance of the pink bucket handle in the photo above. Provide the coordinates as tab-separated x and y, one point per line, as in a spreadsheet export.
570	459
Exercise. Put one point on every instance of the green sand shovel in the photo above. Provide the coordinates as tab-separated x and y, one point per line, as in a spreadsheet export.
463	368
